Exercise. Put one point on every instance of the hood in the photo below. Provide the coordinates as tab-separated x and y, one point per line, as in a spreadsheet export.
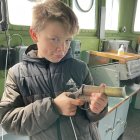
30	55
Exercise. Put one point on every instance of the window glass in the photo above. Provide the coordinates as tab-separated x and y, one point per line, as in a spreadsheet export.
20	11
112	12
137	18
86	19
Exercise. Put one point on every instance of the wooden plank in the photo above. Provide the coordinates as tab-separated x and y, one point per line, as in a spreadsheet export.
121	58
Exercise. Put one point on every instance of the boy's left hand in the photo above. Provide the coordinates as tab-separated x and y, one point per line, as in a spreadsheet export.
98	101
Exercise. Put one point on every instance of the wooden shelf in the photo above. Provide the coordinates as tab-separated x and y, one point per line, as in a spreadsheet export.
121	58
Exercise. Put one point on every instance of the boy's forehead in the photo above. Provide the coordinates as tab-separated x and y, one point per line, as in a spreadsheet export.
56	28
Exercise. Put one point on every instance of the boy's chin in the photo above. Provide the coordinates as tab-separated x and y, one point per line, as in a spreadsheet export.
56	60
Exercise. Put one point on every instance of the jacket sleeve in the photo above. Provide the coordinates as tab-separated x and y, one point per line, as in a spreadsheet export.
17	118
93	117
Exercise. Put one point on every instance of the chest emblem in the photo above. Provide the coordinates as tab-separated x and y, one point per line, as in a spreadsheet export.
72	85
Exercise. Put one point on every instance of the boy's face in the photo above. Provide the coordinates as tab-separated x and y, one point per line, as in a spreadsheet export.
53	42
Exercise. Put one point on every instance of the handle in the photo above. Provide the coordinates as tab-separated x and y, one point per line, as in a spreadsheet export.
109	91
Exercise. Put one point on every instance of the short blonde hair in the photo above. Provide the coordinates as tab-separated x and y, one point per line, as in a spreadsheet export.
54	10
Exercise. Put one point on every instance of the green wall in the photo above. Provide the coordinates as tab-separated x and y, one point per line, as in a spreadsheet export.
19	36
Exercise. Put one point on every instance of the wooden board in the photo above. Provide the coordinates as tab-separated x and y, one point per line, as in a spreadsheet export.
121	58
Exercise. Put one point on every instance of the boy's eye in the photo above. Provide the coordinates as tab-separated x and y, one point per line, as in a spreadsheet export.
55	40
68	41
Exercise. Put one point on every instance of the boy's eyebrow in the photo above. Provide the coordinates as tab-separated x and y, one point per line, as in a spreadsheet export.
71	37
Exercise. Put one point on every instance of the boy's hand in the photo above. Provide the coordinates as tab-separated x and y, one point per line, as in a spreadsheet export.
66	105
98	101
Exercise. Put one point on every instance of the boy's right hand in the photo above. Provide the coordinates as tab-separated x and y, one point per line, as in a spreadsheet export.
66	105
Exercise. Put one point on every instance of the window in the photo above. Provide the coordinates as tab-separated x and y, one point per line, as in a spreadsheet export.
86	18
20	12
112	12
137	18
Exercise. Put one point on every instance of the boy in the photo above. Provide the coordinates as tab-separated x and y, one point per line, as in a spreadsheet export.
35	101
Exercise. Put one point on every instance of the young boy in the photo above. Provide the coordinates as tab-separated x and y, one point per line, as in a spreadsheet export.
35	101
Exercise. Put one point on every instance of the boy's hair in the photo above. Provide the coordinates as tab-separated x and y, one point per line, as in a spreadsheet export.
54	10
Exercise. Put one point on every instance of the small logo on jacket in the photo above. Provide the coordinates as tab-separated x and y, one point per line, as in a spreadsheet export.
72	85
71	82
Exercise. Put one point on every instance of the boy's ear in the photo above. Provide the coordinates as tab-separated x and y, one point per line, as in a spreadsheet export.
33	34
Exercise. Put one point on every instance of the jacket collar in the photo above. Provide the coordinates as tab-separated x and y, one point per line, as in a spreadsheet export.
30	55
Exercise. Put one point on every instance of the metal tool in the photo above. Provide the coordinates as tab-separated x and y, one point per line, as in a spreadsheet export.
86	90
